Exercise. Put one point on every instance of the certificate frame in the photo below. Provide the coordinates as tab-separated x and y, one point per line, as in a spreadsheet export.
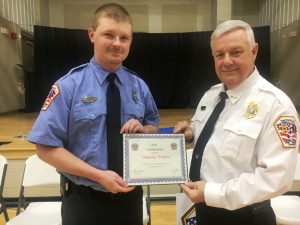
154	159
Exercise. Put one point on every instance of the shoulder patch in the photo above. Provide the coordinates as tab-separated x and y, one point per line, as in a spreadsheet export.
287	131
51	96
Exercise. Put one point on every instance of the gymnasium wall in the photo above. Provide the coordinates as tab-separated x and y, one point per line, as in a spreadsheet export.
11	75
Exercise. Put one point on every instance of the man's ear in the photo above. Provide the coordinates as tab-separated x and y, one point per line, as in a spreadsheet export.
255	51
91	34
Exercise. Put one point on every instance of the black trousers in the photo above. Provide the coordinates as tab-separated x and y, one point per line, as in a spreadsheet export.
84	205
256	214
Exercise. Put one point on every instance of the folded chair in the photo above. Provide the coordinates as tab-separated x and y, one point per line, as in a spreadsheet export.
146	207
37	173
287	207
3	167
185	208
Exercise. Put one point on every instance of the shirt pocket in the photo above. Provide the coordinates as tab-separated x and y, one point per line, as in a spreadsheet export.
199	121
89	111
240	140
86	129
132	110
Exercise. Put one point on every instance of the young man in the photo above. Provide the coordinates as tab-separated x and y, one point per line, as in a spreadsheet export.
250	151
79	127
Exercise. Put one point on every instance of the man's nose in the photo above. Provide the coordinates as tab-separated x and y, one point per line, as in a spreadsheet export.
116	40
227	59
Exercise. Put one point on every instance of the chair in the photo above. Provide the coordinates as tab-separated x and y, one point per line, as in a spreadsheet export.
3	167
189	154
146	208
185	208
165	130
145	211
37	173
287	207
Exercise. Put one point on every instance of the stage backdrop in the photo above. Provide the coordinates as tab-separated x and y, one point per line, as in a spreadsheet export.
178	67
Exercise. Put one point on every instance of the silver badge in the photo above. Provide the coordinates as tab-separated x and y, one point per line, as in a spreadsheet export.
89	99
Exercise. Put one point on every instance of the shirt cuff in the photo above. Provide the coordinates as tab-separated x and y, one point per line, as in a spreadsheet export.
212	194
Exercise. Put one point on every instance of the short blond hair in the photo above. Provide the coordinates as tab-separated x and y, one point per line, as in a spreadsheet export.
111	10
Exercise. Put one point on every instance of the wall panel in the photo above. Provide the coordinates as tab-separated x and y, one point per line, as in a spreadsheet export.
278	13
177	18
21	12
11	85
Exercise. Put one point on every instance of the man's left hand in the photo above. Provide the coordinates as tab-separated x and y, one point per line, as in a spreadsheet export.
132	126
194	190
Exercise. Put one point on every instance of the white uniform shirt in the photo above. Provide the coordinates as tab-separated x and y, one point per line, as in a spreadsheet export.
248	159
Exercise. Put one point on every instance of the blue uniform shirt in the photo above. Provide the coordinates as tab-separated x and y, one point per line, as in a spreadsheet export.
74	113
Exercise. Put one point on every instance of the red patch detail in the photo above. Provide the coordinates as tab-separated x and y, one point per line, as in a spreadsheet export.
287	131
52	94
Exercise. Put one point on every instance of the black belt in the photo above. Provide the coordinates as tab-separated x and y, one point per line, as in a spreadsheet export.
260	206
256	208
258	213
68	186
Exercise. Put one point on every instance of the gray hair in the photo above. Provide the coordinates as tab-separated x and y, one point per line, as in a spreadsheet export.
232	25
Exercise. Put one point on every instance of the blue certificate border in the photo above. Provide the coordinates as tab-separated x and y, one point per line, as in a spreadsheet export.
150	181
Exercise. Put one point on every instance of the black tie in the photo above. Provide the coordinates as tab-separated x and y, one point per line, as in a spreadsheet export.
204	137
113	126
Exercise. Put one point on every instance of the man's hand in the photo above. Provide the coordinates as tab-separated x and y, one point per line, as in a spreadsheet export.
112	182
194	190
132	126
184	127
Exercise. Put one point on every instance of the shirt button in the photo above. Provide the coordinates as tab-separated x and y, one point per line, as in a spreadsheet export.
92	115
197	156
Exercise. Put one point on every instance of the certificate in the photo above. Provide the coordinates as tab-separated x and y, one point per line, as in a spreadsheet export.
154	159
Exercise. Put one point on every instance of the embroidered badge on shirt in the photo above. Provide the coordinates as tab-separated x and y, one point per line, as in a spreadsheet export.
252	110
52	94
287	131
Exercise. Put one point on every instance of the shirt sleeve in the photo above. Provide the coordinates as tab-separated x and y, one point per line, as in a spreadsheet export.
275	157
50	128
151	112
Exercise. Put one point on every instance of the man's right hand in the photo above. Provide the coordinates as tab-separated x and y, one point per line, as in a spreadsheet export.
112	182
184	127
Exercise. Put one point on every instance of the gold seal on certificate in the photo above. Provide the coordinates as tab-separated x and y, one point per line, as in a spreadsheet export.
154	159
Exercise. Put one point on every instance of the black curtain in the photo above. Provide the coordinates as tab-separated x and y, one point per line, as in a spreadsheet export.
56	51
178	67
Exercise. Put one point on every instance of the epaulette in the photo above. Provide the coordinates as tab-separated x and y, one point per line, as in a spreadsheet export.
130	71
77	68
267	87
217	86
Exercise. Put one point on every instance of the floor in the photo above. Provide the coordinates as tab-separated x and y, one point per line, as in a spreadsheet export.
162	212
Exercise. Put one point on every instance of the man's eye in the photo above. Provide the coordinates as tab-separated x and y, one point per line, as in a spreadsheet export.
124	38
109	35
236	53
219	56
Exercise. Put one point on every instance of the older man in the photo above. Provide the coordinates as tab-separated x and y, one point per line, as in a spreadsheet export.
246	135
